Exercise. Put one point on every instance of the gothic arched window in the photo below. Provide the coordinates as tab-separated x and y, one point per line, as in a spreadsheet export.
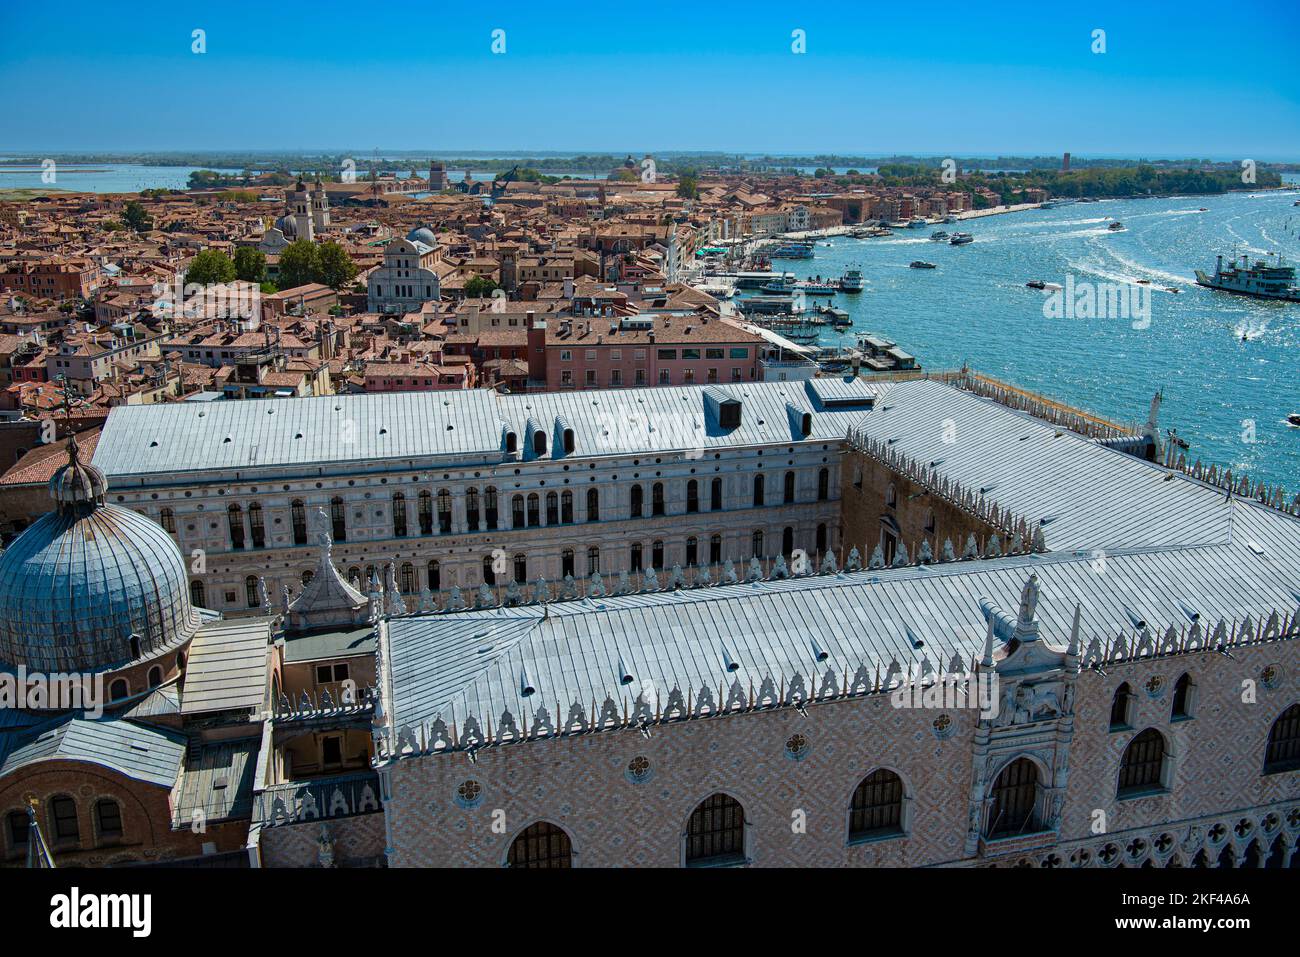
1015	799
1283	751
715	834
1184	693
1143	767
1121	708
541	845
877	806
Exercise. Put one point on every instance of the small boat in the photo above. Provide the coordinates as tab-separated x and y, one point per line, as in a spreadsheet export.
921	264
1143	282
938	236
1202	209
1116	226
1172	289
1036	284
1293	420
961	239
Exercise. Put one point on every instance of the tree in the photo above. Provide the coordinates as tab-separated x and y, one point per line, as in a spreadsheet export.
210	266
477	287
336	268
136	218
688	187
250	264
299	264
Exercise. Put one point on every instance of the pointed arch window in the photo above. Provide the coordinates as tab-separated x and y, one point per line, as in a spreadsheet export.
1283	751
1121	708
1144	767
1184	698
541	845
715	834
1014	809
876	809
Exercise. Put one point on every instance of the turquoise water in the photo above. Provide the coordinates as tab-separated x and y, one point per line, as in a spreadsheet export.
975	307
100	177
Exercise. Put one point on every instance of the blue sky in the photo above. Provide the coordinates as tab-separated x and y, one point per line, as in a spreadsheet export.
1177	79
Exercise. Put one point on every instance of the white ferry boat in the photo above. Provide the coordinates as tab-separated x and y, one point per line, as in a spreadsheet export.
1261	280
851	281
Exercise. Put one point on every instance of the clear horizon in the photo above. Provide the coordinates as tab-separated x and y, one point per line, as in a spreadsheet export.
1015	79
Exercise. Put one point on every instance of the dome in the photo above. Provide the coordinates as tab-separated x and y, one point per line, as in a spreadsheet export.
422	234
90	586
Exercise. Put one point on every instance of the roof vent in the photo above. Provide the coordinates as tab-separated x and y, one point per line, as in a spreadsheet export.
817	651
728	661
624	675
525	683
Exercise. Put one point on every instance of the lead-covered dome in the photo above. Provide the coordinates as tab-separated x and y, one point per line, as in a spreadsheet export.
422	234
91	586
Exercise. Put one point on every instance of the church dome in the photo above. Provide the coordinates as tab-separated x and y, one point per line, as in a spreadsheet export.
422	234
91	586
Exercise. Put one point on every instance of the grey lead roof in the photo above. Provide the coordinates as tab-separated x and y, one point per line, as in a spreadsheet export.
465	426
1127	541
227	667
142	753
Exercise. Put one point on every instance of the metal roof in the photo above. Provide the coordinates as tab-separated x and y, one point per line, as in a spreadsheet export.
139	752
1092	496
462	426
1128	541
472	663
217	782
323	645
227	667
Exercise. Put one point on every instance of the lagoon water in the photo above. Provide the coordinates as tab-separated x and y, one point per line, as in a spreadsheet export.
1229	365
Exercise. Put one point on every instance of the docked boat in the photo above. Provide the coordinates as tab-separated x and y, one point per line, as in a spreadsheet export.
793	249
938	236
917	224
836	317
921	264
815	287
851	281
1116	227
961	239
1262	280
